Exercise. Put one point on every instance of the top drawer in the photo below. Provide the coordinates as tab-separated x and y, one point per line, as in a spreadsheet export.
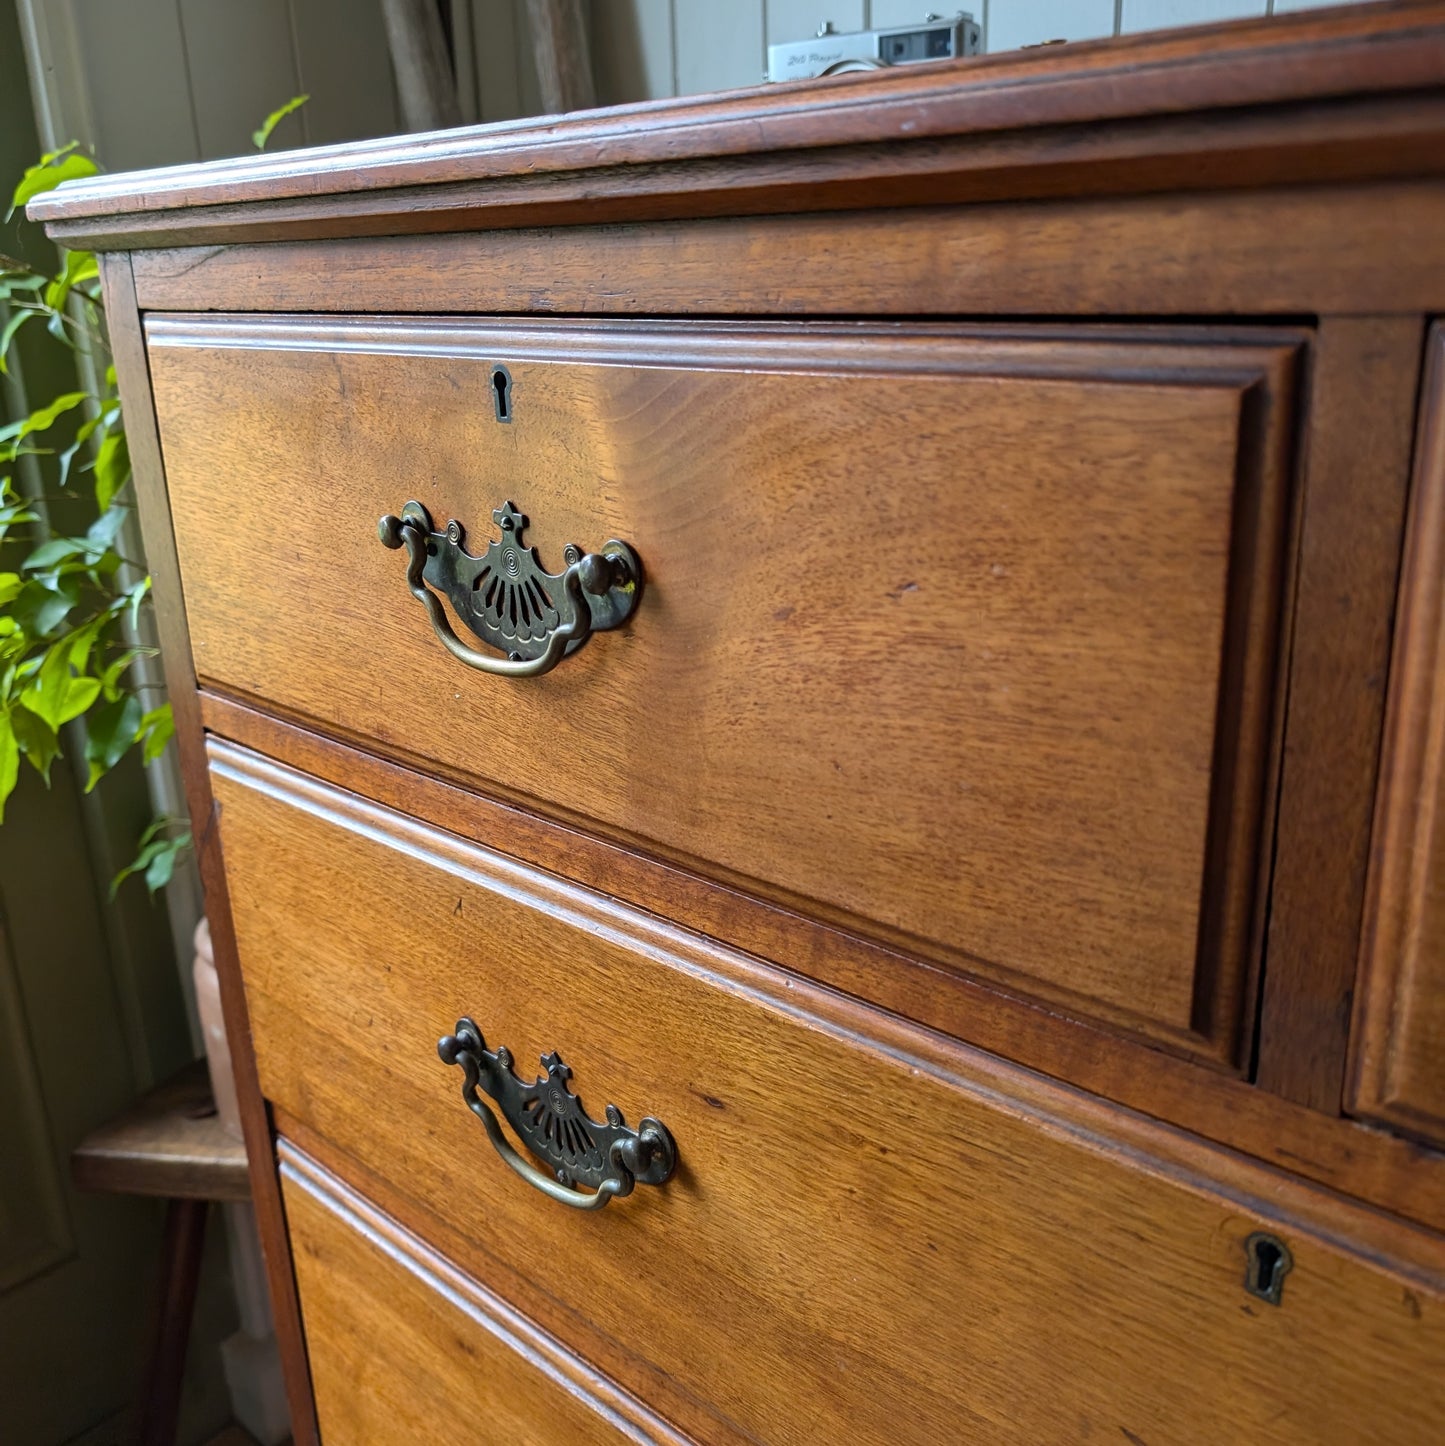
961	638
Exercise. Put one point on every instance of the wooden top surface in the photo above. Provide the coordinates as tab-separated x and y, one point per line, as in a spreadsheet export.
780	137
170	1142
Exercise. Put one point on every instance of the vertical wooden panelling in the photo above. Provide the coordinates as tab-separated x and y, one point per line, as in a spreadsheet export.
632	50
1357	443
493	45
1012	23
1161	14
118	44
1399	1033
798	19
344	66
883	14
37	1234
644	49
718	46
524	64
242	67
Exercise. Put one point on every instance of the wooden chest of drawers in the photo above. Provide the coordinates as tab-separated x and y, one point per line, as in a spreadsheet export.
907	656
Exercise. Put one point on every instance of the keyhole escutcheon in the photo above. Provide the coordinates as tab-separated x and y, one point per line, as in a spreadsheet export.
1268	1261
502	393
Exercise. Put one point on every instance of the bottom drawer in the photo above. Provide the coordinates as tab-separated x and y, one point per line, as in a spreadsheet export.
872	1235
405	1349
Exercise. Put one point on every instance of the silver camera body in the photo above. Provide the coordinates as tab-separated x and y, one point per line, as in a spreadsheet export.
829	53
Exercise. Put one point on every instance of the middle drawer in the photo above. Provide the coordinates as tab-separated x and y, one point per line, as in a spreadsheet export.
958	638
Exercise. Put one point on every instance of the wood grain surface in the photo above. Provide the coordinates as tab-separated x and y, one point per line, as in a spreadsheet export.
1299	250
964	640
1357	468
1303	97
851	1220
123	322
456	1359
1400	1024
1394	1174
171	1143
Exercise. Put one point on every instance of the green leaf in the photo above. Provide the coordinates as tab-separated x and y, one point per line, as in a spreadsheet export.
9	762
18	318
112	468
9	586
110	679
135	597
159	726
260	137
14	515
156	859
83	434
55	325
138	864
56	550
79	266
19	278
42	419
66	164
37	741
82	640
39	607
103	532
162	867
110	730
55	694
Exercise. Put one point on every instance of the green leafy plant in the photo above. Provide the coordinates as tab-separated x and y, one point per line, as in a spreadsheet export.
70	609
263	134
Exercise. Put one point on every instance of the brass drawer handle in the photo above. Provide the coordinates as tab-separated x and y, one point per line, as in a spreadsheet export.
506	597
608	1158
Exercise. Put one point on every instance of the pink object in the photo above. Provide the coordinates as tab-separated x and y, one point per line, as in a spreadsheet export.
213	1027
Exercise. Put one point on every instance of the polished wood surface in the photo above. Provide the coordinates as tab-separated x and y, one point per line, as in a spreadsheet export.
1300	250
810	1219
408	1350
1301	97
1400	1025
1372	1165
1074	929
123	323
1357	450
171	1143
1017	719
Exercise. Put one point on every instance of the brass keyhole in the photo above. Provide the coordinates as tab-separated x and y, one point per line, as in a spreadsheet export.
1268	1261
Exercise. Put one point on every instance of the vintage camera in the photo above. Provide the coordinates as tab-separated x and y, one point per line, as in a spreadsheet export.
829	53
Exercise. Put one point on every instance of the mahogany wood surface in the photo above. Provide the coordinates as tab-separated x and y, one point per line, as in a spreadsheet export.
1298	250
1394	1174
409	1350
1139	323
123	322
1357	458
1012	715
1400	1023
848	1222
1293	99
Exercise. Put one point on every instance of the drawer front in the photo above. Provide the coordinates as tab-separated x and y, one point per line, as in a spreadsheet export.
868	1237
960	639
1399	1043
404	1348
